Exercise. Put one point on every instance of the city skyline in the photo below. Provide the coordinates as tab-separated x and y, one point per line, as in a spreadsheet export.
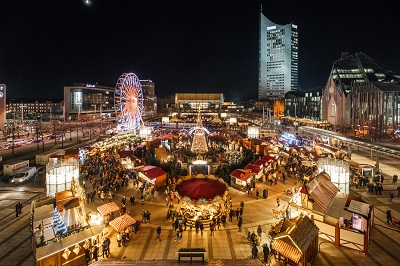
182	47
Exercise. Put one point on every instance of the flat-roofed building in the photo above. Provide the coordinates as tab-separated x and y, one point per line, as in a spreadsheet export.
188	104
84	99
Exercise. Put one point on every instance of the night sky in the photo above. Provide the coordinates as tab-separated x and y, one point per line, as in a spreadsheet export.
183	46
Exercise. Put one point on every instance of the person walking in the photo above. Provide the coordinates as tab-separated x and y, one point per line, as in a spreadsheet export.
158	233
278	202
123	200
391	196
389	216
240	222
257	193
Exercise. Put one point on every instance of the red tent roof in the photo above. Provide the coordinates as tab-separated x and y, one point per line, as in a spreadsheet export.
241	174
201	188
254	168
261	162
268	158
153	171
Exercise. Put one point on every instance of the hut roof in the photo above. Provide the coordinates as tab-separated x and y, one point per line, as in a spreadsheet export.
295	239
153	171
254	168
322	191
71	203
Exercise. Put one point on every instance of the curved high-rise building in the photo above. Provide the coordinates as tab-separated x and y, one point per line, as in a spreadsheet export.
278	59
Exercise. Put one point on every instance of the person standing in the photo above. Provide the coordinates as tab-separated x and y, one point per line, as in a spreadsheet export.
391	196
123	200
240	222
104	246
124	236
158	233
20	207
259	230
201	227
132	200
278	202
254	252
389	216
119	239
16	209
266	252
95	252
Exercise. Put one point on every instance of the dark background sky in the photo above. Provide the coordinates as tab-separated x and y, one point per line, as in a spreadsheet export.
183	46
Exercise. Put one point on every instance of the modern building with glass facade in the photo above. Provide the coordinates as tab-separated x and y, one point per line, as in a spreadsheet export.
149	97
188	104
88	99
278	59
340	102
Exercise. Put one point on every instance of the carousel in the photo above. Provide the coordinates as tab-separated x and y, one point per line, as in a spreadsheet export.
201	197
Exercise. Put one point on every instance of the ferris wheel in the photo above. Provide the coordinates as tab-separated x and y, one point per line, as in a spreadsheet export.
128	101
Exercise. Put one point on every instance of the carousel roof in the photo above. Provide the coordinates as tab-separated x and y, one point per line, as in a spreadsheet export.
201	186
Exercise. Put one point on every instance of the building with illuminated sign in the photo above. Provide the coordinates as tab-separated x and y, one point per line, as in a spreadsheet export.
82	100
2	105
278	59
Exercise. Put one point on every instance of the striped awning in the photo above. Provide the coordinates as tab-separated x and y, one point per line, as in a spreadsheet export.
122	222
107	208
287	250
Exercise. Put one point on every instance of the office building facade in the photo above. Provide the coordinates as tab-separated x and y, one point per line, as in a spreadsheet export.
149	97
278	59
88	100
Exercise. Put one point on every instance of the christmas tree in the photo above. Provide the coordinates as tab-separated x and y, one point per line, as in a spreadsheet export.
59	223
199	143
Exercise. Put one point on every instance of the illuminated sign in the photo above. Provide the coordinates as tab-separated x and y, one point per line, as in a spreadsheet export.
90	86
271	28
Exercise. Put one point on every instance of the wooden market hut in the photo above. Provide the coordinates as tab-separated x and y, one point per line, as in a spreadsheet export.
240	177
296	242
154	175
332	212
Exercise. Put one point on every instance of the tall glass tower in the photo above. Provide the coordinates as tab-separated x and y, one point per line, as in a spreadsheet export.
278	59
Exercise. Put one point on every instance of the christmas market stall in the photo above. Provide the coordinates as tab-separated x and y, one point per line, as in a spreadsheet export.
241	178
154	175
295	242
122	222
344	219
201	197
61	234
